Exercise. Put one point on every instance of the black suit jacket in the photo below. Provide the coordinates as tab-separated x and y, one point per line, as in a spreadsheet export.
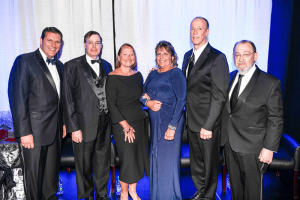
256	121
34	102
81	104
206	89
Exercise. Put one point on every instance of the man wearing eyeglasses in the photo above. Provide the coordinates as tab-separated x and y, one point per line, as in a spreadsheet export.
252	122
87	117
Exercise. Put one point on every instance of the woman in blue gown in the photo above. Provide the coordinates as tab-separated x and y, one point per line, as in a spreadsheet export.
165	95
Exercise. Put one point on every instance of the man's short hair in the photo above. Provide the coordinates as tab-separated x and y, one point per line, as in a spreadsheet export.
51	30
243	42
207	24
89	34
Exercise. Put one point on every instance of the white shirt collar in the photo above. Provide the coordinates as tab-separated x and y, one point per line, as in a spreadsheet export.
198	52
44	56
89	60
250	72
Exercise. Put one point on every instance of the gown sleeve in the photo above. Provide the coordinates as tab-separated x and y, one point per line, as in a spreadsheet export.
143	101
179	88
111	90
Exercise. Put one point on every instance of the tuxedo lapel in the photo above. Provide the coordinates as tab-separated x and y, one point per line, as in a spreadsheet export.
243	96
200	60
231	80
186	62
40	61
88	75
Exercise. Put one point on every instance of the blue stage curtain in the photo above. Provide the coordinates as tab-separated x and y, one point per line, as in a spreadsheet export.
284	59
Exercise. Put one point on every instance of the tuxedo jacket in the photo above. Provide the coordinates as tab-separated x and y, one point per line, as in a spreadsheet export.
256	121
34	102
206	89
80	101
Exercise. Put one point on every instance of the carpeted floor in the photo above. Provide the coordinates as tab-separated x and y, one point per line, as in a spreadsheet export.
276	188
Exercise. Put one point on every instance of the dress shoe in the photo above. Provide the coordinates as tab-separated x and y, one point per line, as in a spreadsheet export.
89	198
197	196
103	198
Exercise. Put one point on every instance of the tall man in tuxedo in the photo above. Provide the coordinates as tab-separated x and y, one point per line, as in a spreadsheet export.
252	122
34	90
207	74
87	117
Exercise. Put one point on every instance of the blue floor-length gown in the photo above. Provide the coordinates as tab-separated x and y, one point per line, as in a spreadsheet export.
169	88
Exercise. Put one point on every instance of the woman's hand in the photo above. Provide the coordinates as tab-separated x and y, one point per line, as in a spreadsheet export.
128	131
169	135
145	96
154	105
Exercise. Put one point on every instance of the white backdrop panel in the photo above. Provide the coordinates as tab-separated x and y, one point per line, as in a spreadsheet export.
23	21
144	23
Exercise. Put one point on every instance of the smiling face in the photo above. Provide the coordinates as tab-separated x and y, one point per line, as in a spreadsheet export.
199	32
163	58
50	44
127	57
244	57
93	46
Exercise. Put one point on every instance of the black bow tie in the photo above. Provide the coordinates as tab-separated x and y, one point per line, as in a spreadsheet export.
52	61
95	61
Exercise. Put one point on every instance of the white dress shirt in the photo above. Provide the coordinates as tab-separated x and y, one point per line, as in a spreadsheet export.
53	72
244	82
197	54
94	66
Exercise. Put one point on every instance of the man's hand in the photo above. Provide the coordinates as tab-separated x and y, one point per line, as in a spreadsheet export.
205	134
266	156
27	141
154	105
169	135
77	136
64	131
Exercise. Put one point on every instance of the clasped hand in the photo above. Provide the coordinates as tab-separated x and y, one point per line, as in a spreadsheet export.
169	135
205	134
266	156
154	105
77	136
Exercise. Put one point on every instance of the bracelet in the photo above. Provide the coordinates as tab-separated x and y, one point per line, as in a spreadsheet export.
172	127
147	102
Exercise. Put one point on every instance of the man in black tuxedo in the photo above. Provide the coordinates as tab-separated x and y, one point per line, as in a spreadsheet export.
252	122
34	90
87	117
207	74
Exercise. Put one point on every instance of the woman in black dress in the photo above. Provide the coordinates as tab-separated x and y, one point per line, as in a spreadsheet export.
124	86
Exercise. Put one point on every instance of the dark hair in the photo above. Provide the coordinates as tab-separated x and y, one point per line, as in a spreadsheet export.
118	63
89	34
51	30
207	24
243	42
169	48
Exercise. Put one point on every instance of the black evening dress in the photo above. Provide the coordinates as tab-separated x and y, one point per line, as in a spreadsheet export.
123	93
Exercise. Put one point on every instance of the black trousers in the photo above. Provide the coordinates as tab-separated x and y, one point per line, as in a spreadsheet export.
93	157
245	175
41	170
204	158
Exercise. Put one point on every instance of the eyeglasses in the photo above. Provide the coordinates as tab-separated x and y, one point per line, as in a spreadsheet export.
92	43
246	55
